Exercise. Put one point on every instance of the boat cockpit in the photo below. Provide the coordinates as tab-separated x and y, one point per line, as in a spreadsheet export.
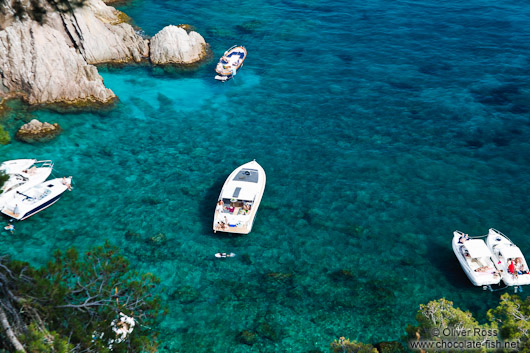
236	207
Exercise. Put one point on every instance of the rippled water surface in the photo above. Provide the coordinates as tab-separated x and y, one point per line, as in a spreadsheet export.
383	126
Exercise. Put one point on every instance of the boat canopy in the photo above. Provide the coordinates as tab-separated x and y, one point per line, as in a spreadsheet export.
246	174
477	248
510	252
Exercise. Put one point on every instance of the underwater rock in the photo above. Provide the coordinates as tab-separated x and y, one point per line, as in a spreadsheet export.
342	275
35	131
159	239
245	258
173	45
268	331
278	276
130	235
247	337
185	294
249	27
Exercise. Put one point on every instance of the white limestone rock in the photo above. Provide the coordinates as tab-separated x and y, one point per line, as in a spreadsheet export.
35	131
173	45
50	61
97	32
36	63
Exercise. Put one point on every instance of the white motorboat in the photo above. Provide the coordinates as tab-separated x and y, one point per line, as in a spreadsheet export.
22	205
475	259
23	174
505	252
239	199
230	63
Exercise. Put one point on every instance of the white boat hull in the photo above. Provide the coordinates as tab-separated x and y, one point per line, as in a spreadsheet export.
498	243
469	265
241	195
230	63
23	175
23	205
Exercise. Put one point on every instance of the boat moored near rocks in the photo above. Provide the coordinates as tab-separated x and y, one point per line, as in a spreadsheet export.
230	63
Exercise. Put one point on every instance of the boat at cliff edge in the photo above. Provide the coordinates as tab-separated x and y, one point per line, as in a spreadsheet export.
239	200
230	63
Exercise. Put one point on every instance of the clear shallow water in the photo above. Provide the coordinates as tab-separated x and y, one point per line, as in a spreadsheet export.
382	128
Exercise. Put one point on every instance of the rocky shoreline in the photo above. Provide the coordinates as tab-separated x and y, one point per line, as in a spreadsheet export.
51	58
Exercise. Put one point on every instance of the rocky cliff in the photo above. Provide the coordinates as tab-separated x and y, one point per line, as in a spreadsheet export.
37	64
47	50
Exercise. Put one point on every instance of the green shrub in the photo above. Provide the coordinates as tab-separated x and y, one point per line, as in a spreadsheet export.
4	136
344	345
3	178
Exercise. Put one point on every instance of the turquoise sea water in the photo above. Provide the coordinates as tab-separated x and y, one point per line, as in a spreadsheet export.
383	126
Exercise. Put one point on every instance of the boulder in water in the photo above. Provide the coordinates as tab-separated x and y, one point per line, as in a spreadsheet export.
35	131
173	45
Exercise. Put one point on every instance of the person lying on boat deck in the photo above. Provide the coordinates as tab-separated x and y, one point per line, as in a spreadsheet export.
246	207
463	238
483	269
65	182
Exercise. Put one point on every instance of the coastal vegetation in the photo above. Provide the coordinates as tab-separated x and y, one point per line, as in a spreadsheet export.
439	320
4	136
3	178
76	304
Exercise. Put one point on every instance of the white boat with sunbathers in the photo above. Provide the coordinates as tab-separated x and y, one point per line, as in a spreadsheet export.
476	260
230	63
23	174
239	199
22	205
508	259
